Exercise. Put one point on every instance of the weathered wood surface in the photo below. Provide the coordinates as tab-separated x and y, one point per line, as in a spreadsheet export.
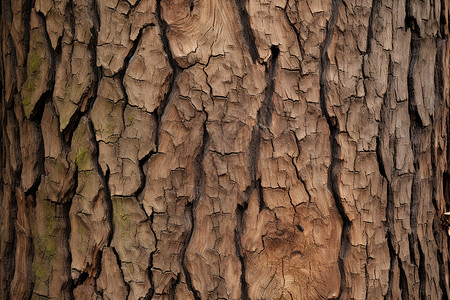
193	149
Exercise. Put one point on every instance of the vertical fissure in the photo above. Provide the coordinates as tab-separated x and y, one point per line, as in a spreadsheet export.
333	170
176	69
390	213
88	97
104	184
439	231
247	32
297	35
263	118
240	211
121	75
119	264
376	4
263	123
151	292
199	187
416	132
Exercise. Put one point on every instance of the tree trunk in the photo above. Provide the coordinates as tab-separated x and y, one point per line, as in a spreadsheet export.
193	149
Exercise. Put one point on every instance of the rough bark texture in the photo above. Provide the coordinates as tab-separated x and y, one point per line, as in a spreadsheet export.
246	149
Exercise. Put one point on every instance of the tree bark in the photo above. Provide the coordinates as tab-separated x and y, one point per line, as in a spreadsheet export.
190	149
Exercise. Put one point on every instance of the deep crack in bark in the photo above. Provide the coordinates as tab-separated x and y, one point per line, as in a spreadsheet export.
416	131
240	211
199	188
333	170
247	32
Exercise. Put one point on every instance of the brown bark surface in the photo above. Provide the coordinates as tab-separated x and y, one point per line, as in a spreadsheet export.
220	149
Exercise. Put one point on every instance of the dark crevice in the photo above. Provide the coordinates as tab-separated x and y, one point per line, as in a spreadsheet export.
120	76
403	284
119	264
416	132
391	267
247	32
240	212
68	230
121	73
190	217
299	177
70	13
374	12
264	115
88	97
36	113
173	287
8	115
84	276
26	10
176	69
151	293
297	34
390	213
412	252
40	153
72	125
199	187
263	118
443	20
422	273
253	157
440	230
81	279
262	203
333	170
438	237
141	187
104	182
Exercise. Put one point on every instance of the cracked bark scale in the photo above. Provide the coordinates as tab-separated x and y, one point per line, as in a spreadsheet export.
193	149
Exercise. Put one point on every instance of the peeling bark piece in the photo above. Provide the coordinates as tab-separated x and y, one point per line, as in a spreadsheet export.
89	211
38	67
86	290
114	41
18	36
58	180
196	35
22	282
141	16
7	237
75	69
107	112
110	282
125	135
171	187
140	127
421	70
51	266
134	242
270	26
54	12
31	150
148	75
73	82
85	15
